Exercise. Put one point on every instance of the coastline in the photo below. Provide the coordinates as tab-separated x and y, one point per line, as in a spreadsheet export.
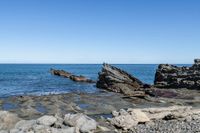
100	106
122	104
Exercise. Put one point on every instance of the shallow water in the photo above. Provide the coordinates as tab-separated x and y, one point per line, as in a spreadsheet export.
22	79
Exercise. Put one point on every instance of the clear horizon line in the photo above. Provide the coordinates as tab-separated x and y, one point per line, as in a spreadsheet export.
1	63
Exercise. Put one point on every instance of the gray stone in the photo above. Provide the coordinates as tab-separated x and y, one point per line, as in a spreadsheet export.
84	123
25	125
46	120
7	120
127	119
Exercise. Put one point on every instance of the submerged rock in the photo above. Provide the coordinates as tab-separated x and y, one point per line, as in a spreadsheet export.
117	80
81	79
72	77
170	76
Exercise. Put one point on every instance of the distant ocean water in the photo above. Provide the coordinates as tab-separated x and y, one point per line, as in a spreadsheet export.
35	79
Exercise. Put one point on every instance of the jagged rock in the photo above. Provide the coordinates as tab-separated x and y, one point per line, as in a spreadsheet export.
75	78
84	123
60	73
7	120
127	119
117	80
170	76
46	120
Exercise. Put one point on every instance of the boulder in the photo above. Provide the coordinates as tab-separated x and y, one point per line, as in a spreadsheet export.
84	123
25	125
127	119
114	79
170	76
8	120
10	123
46	120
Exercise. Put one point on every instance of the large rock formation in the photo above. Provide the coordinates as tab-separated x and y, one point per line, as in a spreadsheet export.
170	76
72	77
117	80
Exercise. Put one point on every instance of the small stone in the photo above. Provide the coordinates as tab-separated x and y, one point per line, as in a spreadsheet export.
104	129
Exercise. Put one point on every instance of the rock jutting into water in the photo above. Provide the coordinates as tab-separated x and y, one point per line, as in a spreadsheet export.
60	73
170	76
72	77
117	80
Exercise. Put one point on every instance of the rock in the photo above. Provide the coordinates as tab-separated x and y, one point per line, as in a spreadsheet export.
167	113
103	129
117	80
60	73
66	130
127	119
46	120
8	120
75	78
3	131
84	123
81	79
25	125
140	116
132	117
170	76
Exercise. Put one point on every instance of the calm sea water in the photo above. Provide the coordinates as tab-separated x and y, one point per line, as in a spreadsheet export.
35	79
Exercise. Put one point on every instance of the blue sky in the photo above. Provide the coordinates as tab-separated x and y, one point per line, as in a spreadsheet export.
96	31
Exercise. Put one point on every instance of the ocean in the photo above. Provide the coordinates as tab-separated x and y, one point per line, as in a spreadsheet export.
36	79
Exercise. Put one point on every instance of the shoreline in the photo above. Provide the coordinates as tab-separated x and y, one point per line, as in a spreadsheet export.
123	104
99	107
88	101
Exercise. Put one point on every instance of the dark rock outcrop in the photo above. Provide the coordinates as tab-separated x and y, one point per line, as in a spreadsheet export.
170	76
117	80
81	79
72	77
60	73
